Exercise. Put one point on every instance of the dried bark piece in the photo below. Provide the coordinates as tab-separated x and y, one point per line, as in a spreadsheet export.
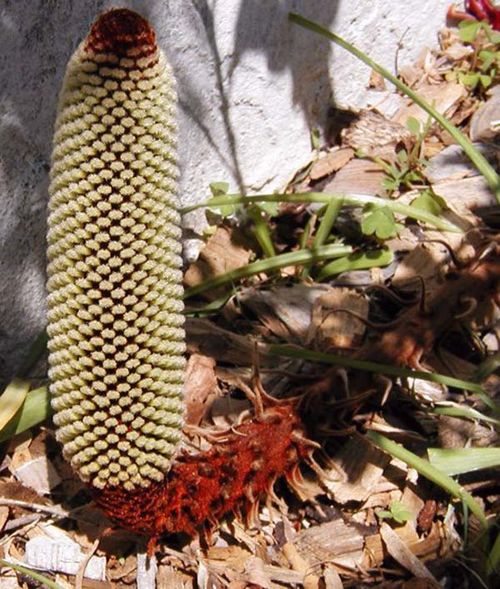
62	555
357	177
330	163
375	135
485	122
221	254
445	98
403	555
333	328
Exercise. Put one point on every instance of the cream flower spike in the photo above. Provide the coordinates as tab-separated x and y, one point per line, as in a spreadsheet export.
116	335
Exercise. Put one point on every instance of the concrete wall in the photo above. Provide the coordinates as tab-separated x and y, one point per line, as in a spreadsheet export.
251	86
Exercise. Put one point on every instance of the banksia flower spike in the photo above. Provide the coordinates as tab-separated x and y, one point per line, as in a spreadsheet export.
116	337
115	323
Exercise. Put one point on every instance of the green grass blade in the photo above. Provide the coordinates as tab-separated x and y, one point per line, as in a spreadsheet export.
262	233
356	261
479	161
493	564
289	351
31	573
427	470
356	200
329	217
269	265
465	413
35	409
325	227
453	461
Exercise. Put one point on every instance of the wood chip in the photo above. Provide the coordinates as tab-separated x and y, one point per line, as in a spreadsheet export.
485	122
403	555
362	466
452	164
36	473
221	254
357	177
200	387
208	339
377	81
331	328
171	577
332	578
4	516
466	195
375	135
285	311
334	541
330	163
62	555
444	97
302	565
147	567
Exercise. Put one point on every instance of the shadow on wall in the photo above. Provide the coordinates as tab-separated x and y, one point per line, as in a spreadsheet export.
263	26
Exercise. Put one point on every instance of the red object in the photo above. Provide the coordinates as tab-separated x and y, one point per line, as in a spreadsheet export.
123	33
233	476
479	10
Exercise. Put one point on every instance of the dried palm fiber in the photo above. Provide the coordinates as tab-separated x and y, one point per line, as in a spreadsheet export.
115	323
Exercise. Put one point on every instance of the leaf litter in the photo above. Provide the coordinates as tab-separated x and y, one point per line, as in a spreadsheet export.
361	518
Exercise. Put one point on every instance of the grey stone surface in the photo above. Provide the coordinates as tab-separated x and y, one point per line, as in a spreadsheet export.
251	86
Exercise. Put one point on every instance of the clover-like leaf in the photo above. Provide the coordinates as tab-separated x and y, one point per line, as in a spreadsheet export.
380	221
430	202
397	511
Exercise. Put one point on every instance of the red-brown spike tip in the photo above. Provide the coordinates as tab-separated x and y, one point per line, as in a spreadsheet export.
121	32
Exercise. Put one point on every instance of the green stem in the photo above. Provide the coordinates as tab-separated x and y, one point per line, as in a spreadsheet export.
289	351
473	154
268	265
30	573
426	469
358	200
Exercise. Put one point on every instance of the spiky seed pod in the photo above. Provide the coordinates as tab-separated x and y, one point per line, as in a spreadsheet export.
115	321
233	476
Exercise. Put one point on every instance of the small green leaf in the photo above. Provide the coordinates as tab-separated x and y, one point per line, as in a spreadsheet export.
397	511
487	58
389	184
430	202
413	125
402	156
380	222
270	208
219	188
470	79
485	80
468	30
